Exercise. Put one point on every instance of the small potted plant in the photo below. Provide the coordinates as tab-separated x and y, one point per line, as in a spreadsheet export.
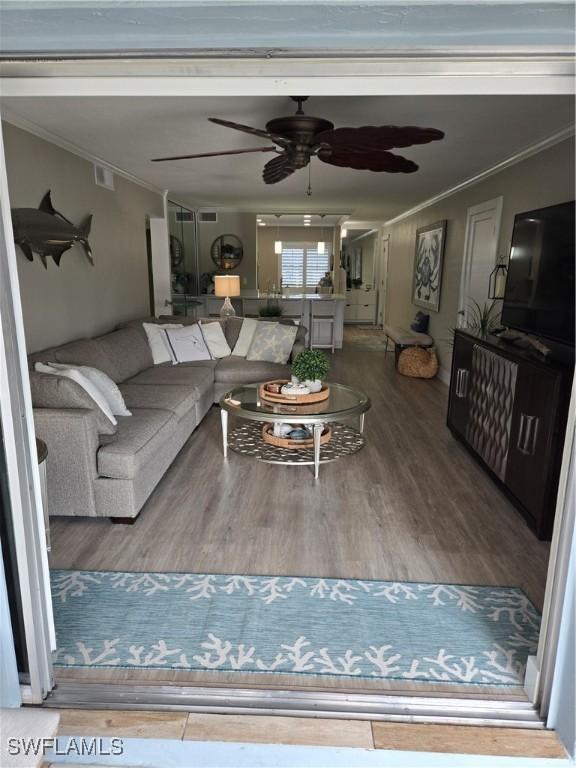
270	309
310	367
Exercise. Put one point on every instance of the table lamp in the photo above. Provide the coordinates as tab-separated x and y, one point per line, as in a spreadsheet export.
227	285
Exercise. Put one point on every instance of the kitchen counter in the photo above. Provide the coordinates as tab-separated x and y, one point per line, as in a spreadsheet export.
249	302
267	296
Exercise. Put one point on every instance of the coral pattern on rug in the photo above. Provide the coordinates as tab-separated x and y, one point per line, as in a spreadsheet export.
296	625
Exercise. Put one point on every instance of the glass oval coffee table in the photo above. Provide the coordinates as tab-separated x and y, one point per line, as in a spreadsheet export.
344	403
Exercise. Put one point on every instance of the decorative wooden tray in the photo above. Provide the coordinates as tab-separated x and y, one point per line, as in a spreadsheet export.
285	442
277	397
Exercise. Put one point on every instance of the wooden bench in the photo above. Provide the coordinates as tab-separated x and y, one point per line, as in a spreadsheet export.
404	338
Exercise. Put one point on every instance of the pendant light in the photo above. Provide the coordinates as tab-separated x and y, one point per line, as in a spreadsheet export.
321	247
278	242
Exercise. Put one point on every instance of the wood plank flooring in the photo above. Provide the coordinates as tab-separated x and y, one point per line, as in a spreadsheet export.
412	505
264	729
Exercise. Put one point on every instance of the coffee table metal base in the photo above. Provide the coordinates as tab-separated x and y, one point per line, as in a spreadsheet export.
246	438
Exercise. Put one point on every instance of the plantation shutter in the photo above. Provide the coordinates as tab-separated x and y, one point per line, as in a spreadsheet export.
302	266
292	266
317	264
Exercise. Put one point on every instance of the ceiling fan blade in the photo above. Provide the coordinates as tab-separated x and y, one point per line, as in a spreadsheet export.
248	129
215	154
367	161
373	137
277	169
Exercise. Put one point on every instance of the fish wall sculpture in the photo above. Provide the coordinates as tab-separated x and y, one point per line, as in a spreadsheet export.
47	232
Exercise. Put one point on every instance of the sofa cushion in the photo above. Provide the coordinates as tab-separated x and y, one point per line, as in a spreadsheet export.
50	391
272	343
235	370
129	351
138	438
196	378
120	354
157	341
106	388
300	333
70	372
187	344
178	399
232	329
44	356
215	340
210	364
234	325
247	331
85	352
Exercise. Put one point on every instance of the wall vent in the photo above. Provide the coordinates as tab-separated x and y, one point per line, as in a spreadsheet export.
185	217
104	177
208	217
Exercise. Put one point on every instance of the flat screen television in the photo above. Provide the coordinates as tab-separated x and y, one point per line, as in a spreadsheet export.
539	295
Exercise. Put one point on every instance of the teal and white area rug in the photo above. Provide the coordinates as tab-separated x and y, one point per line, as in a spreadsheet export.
299	626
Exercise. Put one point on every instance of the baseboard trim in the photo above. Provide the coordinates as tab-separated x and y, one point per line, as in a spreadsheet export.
444	375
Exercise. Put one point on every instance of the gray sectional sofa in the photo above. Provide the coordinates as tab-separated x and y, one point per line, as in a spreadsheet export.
96	469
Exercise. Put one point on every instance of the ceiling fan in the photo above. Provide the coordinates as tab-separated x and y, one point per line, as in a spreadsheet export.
300	137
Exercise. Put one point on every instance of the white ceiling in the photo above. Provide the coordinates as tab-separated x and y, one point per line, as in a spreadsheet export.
127	132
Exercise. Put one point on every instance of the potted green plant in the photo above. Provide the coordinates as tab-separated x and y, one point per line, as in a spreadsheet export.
310	367
270	309
480	317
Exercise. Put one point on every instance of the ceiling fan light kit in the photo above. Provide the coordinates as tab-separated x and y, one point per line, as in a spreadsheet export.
298	138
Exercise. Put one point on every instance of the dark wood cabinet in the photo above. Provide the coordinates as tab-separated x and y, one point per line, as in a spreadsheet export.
509	408
461	365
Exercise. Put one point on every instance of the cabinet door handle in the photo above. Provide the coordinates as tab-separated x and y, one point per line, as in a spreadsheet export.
527	434
461	382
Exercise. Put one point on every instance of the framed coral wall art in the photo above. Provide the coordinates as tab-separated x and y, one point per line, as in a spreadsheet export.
428	259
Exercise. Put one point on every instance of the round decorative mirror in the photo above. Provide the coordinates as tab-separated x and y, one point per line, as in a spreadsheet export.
176	251
227	251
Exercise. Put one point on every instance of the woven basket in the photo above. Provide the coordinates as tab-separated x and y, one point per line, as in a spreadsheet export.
419	363
277	397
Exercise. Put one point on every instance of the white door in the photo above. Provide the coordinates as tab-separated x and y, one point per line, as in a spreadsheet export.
480	254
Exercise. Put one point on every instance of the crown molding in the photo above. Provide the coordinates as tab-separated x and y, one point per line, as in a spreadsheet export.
42	133
518	157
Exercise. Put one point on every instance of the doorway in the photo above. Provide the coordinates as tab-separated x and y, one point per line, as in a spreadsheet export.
480	255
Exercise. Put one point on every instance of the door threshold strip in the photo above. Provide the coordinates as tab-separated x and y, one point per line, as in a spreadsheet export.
389	707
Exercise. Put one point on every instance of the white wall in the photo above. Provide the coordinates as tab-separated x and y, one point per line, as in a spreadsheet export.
77	300
541	180
243	225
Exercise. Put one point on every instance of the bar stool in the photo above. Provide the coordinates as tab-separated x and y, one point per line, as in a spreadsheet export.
292	309
322	315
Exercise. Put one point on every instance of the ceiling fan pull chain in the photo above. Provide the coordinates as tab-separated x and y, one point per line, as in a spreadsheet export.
309	190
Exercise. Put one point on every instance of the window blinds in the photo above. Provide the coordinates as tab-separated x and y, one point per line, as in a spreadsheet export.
302	266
